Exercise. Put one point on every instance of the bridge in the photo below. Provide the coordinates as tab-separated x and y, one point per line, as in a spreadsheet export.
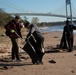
68	2
68	15
42	14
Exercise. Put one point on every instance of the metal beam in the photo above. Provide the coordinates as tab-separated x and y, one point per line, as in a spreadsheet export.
41	14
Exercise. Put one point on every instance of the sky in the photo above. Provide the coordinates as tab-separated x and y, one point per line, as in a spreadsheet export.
41	6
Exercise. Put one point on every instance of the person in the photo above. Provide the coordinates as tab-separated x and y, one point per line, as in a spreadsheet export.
39	46
68	36
63	43
13	31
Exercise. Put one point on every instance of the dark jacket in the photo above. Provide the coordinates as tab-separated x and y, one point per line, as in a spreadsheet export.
15	26
68	30
67	34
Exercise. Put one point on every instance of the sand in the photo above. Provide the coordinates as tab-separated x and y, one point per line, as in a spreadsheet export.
65	62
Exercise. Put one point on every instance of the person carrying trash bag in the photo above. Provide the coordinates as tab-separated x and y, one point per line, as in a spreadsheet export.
68	36
13	32
30	50
37	40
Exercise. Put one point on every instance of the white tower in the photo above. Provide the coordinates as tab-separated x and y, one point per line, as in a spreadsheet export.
68	4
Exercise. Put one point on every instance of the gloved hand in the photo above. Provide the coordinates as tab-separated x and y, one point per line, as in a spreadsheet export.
12	31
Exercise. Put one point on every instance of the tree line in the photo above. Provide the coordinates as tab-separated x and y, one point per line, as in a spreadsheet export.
5	18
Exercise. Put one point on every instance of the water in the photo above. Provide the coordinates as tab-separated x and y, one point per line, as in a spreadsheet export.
53	28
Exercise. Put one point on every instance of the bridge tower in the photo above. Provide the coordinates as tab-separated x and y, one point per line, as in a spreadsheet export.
69	10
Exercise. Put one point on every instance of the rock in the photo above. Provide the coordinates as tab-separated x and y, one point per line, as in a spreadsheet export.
3	51
75	55
72	71
3	48
2	35
60	50
52	61
56	37
5	67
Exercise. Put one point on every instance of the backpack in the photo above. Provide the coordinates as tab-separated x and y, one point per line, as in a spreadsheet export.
6	32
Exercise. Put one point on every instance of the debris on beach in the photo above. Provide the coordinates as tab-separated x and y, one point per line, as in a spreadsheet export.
3	48
54	49
56	37
75	55
51	49
72	71
5	67
52	61
2	35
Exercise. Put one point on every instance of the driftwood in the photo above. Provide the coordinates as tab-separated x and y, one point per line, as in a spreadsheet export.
51	49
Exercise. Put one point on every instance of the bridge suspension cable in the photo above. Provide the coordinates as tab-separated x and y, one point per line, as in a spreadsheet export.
11	5
60	9
74	10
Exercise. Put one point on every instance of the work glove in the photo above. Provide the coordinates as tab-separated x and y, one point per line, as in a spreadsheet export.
12	31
